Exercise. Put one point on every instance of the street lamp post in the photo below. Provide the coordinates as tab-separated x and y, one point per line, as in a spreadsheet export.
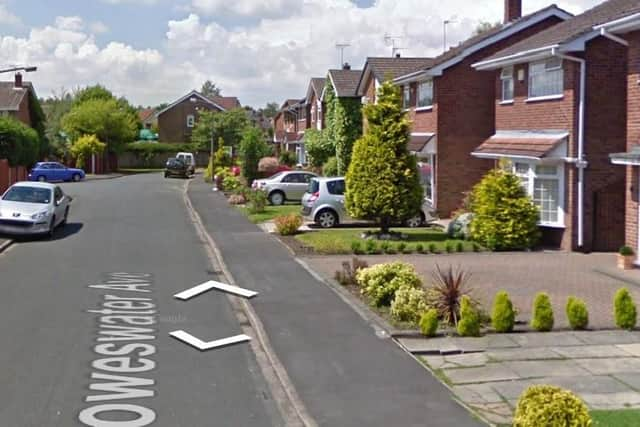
26	69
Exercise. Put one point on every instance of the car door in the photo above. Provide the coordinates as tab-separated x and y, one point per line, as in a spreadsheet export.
336	189
297	185
57	172
59	203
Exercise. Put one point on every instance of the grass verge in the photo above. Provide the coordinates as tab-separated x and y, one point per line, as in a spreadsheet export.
270	212
620	418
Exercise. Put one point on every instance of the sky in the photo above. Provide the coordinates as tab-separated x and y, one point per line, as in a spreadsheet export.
155	51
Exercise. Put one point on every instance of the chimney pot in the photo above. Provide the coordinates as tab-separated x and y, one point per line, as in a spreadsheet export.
397	55
346	66
18	80
512	10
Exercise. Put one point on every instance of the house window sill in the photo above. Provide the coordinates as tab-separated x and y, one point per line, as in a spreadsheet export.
509	102
545	98
551	225
406	109
427	108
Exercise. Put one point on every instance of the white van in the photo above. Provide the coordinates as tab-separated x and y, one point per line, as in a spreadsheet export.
188	159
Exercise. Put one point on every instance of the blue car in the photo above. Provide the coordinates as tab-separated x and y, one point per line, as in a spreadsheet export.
54	171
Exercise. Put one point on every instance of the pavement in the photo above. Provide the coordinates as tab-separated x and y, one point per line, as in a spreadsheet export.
592	277
5	243
86	316
490	373
97	177
347	372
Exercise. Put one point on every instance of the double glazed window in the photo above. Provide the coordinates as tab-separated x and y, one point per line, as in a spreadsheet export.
546	78
425	167
406	96
191	120
425	94
506	77
544	184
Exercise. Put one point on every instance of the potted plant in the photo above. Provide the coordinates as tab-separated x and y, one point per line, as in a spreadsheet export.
625	258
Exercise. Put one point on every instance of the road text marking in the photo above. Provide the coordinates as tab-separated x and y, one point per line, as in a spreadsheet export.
202	346
197	290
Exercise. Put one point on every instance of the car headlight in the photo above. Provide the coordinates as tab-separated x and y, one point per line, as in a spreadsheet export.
40	215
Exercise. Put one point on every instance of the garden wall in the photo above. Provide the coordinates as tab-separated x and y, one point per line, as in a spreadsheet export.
10	175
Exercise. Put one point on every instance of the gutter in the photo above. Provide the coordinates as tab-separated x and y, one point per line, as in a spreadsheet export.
515	58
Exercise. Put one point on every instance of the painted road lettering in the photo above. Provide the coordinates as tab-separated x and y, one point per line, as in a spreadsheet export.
125	353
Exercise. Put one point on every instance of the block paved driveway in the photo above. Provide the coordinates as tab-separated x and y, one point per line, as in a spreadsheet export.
592	277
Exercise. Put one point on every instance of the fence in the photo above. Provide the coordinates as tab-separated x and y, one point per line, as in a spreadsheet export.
10	175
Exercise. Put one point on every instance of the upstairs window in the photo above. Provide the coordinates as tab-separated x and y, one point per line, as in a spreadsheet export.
406	98
546	78
506	77
425	94
191	120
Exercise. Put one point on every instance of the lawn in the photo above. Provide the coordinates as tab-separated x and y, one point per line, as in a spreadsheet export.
270	212
621	418
341	241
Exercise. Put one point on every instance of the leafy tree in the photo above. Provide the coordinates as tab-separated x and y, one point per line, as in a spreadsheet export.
270	110
85	147
92	92
344	125
382	180
213	125
253	147
54	108
106	119
19	143
319	147
209	89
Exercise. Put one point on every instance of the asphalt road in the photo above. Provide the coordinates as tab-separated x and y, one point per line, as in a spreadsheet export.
85	320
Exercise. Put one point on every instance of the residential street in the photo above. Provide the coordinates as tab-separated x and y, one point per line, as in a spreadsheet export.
131	235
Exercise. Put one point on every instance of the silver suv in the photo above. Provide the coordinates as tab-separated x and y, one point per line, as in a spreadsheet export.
323	203
284	186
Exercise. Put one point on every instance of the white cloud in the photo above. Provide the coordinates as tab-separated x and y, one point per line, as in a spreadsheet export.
8	18
269	59
98	27
146	2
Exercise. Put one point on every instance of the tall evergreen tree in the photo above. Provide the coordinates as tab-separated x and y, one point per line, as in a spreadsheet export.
382	180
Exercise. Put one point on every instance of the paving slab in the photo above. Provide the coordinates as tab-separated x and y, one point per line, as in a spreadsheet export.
546	339
471	345
546	368
610	366
477	393
434	362
466	360
591	351
625	400
488	373
532	353
501	341
632	349
608	337
429	345
497	413
584	384
630	378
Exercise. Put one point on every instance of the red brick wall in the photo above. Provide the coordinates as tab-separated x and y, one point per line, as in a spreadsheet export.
24	115
423	121
633	138
4	175
172	124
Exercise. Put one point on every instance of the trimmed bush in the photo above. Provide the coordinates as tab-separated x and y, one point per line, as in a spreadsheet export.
231	183
550	406
384	246
429	323
459	247
380	282
469	323
287	225
371	247
433	248
503	316
257	201
542	319
626	251
408	304
356	247
420	248
402	246
268	165
330	168
449	247
624	309
577	313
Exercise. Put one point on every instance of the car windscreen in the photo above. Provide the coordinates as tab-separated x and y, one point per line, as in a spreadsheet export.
314	186
185	159
28	195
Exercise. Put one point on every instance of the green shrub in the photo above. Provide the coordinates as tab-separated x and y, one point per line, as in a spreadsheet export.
504	215
503	316
459	247
420	248
347	277
449	247
288	158
429	323
408	304
542	320
287	225
252	148
257	201
448	287
550	406
19	143
469	323
402	246
476	247
384	246
577	313
209	172
371	247
624	309
330	168
380	282
356	247
231	184
626	251
433	248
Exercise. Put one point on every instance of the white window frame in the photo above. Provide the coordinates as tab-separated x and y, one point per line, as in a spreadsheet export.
191	120
427	83
531	177
406	100
430	159
506	77
551	65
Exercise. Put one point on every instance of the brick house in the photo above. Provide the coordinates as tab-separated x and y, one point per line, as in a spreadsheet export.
627	26
176	121
285	124
314	101
344	82
451	106
560	110
16	98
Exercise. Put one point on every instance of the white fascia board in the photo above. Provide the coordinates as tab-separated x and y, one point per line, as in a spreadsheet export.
507	32
189	95
413	77
333	85
625	162
516	58
578	44
497	156
622	25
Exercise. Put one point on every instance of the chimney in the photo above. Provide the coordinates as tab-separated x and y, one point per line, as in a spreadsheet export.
512	10
346	66
397	55
18	81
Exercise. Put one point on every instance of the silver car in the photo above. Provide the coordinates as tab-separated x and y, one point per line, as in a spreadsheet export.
323	203
285	186
33	208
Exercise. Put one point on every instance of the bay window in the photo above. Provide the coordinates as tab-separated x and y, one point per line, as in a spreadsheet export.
406	97
546	78
545	185
425	94
506	77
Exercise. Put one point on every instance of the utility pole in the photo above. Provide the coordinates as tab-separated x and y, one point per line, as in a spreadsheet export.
444	32
342	47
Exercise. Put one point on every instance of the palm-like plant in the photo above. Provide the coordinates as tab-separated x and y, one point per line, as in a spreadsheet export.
449	285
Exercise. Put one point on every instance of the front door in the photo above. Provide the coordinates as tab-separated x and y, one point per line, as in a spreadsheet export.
609	218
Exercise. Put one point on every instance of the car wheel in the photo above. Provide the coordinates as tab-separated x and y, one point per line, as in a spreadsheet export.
415	221
66	217
166	174
327	219
276	198
42	178
76	177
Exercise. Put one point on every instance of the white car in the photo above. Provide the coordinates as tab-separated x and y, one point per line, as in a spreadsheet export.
284	186
33	208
